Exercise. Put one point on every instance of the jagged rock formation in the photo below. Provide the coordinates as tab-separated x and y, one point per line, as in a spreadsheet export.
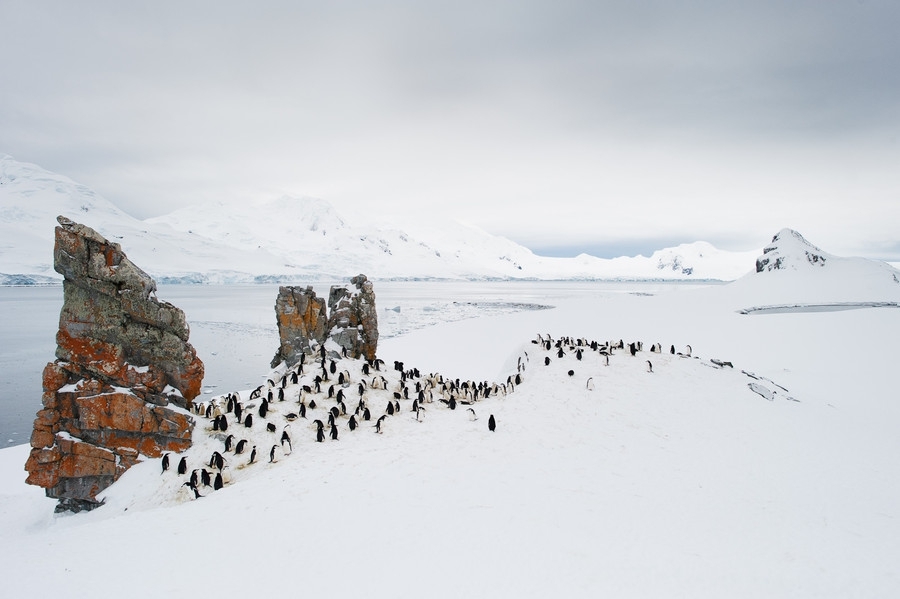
301	320
353	323
785	250
351	327
122	357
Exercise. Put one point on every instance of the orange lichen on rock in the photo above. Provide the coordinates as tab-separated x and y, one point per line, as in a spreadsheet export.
122	357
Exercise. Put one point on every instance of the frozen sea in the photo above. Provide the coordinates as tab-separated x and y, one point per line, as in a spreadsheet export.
233	326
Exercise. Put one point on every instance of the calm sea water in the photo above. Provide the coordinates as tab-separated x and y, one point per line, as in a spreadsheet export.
233	327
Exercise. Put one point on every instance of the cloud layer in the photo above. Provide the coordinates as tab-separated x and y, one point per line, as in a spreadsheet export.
561	125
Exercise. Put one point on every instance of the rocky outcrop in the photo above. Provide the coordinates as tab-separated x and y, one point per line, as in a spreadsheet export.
789	250
301	318
350	328
353	324
122	357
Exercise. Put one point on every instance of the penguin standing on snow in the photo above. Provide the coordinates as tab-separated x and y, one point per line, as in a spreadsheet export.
649	366
253	454
165	462
492	423
182	465
241	445
472	415
379	422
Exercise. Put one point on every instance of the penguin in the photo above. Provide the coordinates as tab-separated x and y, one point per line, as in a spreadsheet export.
223	423
396	407
472	416
334	432
216	461
649	366
241	445
571	373
672	349
312	404
248	421
390	409
193	488
353	424
263	408
272	453
165	462
195	478
379	422
204	477
452	403
303	410
367	415
330	419
420	414
320	435
290	416
238	409
492	423
335	411
218	484
182	465
271	427
253	454
590	384
281	394
216	423
286	437
228	441
547	361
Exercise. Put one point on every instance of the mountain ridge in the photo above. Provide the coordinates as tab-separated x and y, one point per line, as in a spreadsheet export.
288	238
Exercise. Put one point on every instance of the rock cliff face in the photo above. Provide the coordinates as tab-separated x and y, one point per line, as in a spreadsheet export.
122	357
352	325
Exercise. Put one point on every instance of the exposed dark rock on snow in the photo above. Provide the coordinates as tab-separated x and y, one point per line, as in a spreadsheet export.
786	247
303	324
122	357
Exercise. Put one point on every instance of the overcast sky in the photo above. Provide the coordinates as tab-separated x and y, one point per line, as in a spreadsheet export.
613	127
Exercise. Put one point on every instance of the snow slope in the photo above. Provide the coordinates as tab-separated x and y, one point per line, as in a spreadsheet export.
683	481
289	239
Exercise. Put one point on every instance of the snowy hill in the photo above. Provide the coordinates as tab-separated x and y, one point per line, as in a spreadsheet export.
774	478
289	239
794	273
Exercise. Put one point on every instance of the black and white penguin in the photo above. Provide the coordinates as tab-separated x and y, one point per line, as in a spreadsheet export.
204	477
272	453
590	384
253	454
353	424
546	360
165	462
228	442
263	408
492	423
241	446
248	421
472	416
285	437
271	427
649	366
379	422
193	488
217	483
334	432
182	465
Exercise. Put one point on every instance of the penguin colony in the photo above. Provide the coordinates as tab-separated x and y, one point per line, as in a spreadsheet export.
315	401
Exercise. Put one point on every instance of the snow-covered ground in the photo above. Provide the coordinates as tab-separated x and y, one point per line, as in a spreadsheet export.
680	482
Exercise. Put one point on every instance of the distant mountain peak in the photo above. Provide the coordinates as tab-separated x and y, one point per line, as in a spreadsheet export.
789	250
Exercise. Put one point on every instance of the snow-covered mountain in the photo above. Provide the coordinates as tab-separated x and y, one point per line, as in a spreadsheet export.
291	238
